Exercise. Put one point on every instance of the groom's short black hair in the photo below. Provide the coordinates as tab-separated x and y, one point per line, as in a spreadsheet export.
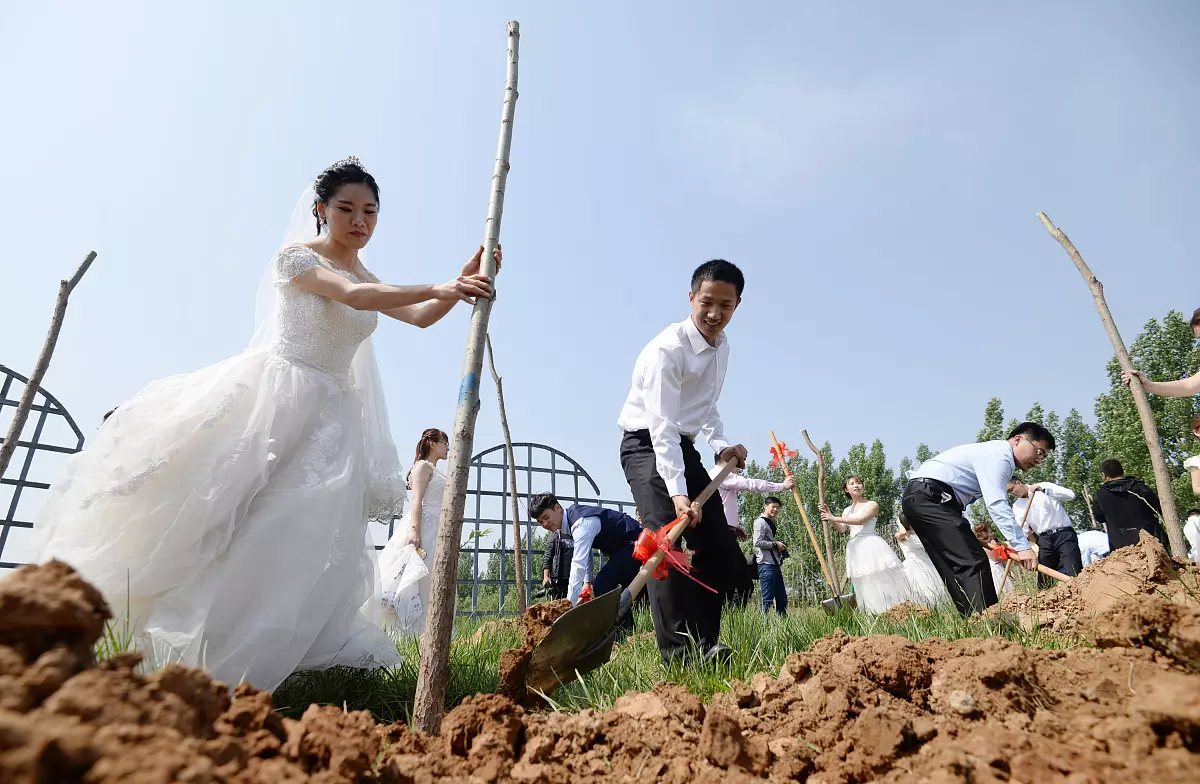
540	503
721	271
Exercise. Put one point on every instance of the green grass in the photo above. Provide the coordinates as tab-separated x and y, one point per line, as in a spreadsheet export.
761	643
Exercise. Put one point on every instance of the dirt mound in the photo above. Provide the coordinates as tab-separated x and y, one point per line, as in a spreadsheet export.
902	612
535	624
1144	569
847	710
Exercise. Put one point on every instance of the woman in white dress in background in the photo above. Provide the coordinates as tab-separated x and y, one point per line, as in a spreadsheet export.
872	566
407	609
226	508
925	586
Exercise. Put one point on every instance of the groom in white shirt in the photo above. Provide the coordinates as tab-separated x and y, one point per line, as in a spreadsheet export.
672	399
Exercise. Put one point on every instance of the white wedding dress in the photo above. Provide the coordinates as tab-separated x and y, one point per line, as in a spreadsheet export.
876	572
225	510
407	610
925	585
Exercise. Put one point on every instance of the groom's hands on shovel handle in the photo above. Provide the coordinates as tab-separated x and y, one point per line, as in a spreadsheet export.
1026	559
684	507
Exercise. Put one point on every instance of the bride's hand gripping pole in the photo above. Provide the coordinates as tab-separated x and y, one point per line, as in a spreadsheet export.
779	455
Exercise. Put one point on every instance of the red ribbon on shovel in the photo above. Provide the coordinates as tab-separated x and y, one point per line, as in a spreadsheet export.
650	542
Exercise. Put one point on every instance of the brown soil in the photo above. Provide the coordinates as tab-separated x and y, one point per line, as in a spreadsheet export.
906	610
847	710
535	624
1144	569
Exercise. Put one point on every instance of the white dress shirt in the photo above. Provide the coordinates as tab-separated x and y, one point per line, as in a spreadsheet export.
1093	545
677	380
979	470
1047	513
736	483
583	533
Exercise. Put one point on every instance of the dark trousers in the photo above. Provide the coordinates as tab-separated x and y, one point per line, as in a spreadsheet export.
955	552
770	585
1059	550
684	613
558	589
742	586
618	571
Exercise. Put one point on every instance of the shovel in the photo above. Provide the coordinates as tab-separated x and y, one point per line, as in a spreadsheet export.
582	638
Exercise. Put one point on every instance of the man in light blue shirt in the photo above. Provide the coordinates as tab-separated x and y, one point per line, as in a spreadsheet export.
944	486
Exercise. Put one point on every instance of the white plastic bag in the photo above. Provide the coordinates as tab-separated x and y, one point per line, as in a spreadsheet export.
401	589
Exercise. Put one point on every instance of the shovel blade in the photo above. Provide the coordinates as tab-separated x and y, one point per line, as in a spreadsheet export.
579	641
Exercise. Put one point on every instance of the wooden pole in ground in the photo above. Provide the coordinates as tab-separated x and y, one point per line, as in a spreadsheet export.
821	500
65	287
1162	480
812	535
518	556
429	704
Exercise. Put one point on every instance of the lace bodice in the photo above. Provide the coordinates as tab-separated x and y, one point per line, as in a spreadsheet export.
865	529
431	505
314	330
912	546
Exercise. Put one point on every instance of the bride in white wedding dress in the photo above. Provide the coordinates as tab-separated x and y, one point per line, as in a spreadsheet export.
225	510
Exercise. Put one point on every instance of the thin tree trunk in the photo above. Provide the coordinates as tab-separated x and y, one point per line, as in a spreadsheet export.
1162	479
821	500
518	556
435	648
65	287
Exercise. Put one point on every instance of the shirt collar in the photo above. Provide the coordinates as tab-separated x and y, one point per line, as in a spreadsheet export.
698	342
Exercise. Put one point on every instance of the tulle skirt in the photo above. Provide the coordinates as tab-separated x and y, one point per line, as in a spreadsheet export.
925	585
876	572
222	513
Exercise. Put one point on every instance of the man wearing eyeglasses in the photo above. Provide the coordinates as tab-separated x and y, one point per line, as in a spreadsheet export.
945	485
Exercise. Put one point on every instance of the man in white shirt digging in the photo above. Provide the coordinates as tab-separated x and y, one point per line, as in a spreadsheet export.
1058	543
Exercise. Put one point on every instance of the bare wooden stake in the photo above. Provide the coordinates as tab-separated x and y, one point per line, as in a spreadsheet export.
65	287
1162	479
429	704
518	556
821	500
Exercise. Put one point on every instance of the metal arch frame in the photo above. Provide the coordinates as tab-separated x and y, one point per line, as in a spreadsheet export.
51	406
575	471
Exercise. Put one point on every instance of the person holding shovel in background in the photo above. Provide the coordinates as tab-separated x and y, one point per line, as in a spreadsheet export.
673	395
1040	507
739	592
944	486
592	528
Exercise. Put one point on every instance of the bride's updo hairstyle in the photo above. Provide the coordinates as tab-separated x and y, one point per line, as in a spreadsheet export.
344	172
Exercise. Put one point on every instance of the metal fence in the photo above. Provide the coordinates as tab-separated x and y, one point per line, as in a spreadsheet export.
540	469
54	432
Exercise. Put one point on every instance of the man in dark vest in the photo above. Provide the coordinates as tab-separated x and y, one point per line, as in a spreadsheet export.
1127	506
611	532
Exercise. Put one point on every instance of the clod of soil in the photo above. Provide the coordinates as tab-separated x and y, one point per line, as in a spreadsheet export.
1144	569
905	610
847	710
535	624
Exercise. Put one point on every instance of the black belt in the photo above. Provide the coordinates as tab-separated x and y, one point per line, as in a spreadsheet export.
937	485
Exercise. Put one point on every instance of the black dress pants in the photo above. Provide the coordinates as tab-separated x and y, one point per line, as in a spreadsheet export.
956	554
685	614
1059	550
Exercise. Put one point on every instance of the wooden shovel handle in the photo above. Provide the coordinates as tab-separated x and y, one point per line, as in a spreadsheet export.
647	571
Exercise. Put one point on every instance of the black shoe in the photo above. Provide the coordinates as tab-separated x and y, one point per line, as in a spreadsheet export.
719	653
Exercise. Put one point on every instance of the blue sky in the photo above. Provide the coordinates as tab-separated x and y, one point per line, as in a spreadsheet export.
874	168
